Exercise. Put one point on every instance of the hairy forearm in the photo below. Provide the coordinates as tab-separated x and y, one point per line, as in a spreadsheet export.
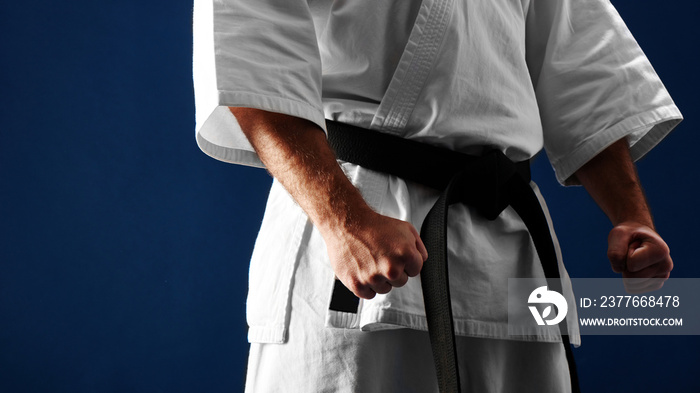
370	253
634	247
612	180
296	153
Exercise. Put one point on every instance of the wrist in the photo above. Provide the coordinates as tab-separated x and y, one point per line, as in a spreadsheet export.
637	218
634	224
344	215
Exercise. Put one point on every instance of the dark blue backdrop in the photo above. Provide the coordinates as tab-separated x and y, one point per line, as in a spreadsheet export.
124	250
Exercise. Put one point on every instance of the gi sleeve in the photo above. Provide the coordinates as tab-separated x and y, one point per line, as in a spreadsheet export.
593	83
252	53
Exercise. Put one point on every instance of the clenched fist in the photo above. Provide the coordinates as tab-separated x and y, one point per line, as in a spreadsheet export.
641	255
375	253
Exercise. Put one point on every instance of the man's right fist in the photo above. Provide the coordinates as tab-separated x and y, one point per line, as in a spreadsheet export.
375	253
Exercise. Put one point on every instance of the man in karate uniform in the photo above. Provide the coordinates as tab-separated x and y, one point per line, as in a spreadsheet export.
515	75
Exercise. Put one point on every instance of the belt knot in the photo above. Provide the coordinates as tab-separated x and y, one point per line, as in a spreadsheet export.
485	184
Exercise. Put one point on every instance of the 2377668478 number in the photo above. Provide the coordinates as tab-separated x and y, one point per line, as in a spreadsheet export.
639	301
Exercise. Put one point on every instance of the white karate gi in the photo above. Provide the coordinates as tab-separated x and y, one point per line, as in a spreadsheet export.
518	75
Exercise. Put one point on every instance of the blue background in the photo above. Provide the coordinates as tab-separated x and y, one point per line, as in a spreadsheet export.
124	249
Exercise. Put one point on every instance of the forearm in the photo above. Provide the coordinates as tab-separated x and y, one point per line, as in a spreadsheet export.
612	181
634	247
296	153
370	253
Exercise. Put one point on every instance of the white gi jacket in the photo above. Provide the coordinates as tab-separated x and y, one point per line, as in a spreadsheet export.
518	75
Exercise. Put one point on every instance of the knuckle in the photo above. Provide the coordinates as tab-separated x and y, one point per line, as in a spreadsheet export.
400	253
667	266
383	288
365	292
617	232
616	254
369	295
392	273
413	269
379	284
401	281
357	287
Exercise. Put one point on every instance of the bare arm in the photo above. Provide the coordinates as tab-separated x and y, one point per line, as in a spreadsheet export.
370	253
634	247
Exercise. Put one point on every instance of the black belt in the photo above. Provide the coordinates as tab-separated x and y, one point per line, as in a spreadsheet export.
498	183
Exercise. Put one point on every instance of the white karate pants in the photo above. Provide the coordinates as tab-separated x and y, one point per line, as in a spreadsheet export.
317	359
